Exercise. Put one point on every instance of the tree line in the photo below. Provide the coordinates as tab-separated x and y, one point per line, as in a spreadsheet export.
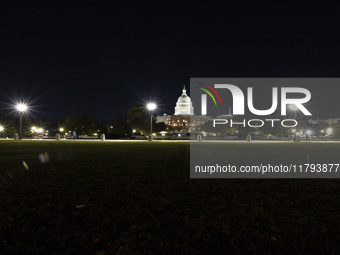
137	122
122	125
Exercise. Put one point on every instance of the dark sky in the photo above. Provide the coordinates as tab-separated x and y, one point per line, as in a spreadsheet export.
100	58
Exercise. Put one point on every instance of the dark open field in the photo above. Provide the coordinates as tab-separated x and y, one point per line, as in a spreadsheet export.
139	199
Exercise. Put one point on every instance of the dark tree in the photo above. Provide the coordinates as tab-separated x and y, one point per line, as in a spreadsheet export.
82	124
139	119
119	126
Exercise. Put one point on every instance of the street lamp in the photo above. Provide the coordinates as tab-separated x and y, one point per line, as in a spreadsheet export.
21	109
308	133
61	131
293	108
1	130
151	107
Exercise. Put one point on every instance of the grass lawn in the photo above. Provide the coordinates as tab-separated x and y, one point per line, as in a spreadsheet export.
139	199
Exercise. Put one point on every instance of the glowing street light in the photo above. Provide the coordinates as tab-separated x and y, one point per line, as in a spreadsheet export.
2	130
309	132
21	109
151	107
293	108
61	129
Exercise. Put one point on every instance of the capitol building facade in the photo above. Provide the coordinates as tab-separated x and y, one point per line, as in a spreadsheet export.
184	120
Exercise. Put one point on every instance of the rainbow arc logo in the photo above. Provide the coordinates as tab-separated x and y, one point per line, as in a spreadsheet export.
210	94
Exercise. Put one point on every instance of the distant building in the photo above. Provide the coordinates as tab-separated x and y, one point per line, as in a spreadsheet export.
184	121
184	111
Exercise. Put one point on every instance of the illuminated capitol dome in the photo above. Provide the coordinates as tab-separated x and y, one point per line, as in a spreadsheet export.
184	104
184	113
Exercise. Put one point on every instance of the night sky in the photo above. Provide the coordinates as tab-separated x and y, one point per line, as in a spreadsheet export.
100	58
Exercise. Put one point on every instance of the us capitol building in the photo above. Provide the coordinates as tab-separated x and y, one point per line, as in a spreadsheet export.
184	111
184	122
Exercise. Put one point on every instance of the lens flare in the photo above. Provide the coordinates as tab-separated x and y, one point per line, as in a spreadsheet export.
25	165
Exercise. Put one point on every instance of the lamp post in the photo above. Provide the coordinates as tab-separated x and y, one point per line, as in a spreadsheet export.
293	108
308	133
151	107
61	131
21	109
